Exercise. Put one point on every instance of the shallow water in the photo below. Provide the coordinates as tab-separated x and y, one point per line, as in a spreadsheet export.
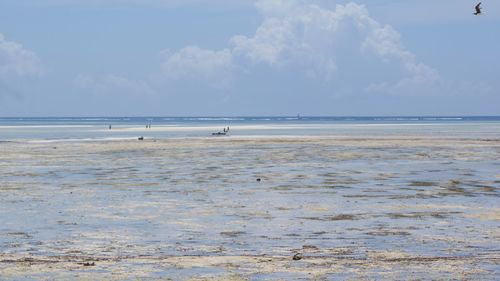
404	204
36	129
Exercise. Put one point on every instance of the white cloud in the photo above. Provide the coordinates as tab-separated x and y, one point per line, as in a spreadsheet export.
16	60
269	44
194	62
306	36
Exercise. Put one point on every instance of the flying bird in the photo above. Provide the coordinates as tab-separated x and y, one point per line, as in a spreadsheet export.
478	9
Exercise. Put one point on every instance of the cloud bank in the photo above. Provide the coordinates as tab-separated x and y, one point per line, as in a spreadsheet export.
325	44
194	62
16	64
16	60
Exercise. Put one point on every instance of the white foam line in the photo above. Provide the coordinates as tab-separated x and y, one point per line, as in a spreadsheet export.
44	126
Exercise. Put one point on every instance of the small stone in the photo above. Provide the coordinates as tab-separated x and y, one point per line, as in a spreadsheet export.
297	257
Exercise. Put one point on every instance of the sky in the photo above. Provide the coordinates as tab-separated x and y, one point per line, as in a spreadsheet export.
248	58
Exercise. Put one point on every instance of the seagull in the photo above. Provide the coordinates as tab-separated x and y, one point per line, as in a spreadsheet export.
478	9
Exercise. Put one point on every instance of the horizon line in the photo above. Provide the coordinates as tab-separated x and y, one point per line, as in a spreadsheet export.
241	116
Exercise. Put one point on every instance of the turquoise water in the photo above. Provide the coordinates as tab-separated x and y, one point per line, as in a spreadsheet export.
97	128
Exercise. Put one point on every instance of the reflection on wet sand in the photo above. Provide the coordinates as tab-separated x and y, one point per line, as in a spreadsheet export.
354	208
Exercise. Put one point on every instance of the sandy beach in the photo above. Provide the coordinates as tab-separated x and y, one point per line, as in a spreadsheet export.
355	208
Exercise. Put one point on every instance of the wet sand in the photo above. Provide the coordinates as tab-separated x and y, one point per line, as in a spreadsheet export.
356	208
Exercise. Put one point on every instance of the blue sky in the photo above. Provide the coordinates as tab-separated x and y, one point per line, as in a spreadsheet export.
265	57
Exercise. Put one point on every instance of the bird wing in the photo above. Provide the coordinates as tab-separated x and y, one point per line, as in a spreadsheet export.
478	7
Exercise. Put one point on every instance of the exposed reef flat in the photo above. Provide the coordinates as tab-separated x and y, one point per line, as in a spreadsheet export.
359	208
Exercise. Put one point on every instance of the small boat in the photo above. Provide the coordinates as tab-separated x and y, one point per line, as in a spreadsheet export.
218	134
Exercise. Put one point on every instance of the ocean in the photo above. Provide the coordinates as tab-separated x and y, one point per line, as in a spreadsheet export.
355	198
97	128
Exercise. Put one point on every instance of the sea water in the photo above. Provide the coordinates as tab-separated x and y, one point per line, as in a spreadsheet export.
98	128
